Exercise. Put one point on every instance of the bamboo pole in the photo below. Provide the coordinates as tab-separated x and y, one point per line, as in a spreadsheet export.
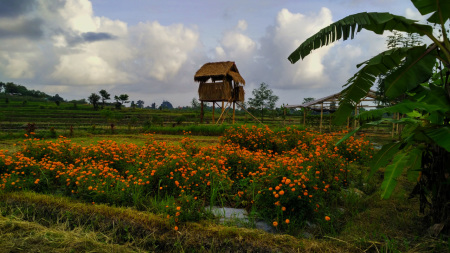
201	112
234	110
304	116
222	107
330	119
393	126
248	113
223	110
214	108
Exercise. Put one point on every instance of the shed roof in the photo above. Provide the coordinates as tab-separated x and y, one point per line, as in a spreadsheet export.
217	71
370	94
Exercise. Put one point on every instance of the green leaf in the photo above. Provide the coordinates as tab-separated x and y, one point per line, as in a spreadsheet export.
415	163
348	135
433	95
350	25
359	85
441	136
404	107
384	156
433	6
392	172
417	69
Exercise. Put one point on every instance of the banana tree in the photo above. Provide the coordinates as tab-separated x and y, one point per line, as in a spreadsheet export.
419	77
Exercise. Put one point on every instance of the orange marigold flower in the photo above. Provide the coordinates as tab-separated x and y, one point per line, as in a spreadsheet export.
176	228
178	208
275	223
327	218
287	221
281	192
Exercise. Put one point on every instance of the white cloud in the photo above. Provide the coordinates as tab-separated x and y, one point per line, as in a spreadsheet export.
235	45
414	14
242	25
161	50
75	52
289	31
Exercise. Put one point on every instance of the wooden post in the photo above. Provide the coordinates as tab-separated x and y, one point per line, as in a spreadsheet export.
304	116
393	125
223	109
356	111
321	116
234	110
201	112
397	129
214	108
330	119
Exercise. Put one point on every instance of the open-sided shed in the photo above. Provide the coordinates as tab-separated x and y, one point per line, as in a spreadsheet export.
330	104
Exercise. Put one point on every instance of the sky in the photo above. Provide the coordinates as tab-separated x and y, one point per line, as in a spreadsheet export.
151	49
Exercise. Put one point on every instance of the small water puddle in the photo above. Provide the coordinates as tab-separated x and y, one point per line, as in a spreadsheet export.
239	217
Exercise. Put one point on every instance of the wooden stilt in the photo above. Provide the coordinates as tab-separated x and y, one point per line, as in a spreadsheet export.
214	108
393	126
304	116
201	112
234	110
329	118
248	112
356	112
222	107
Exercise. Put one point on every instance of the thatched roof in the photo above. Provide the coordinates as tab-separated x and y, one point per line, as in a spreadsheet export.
217	71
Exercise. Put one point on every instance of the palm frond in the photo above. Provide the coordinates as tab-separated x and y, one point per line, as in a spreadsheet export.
360	84
439	8
350	25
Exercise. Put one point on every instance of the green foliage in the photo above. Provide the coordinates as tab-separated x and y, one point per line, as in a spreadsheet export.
180	120
263	98
94	99
105	96
418	85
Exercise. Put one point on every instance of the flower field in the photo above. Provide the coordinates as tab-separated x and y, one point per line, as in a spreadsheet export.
286	177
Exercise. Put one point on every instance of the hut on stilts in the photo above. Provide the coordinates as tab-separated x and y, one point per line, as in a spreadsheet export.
220	82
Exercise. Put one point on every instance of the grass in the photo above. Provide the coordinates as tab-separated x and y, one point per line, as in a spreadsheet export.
36	222
17	235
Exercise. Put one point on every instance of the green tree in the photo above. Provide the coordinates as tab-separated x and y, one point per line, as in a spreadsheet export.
140	104
122	98
396	40
423	150
105	96
307	100
195	104
94	99
263	98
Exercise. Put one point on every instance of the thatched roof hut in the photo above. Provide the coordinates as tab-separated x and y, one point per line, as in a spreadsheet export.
224	82
218	71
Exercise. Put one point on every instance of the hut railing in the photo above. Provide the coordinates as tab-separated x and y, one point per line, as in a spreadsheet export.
214	92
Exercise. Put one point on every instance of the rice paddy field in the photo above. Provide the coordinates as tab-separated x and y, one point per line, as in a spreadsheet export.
143	191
